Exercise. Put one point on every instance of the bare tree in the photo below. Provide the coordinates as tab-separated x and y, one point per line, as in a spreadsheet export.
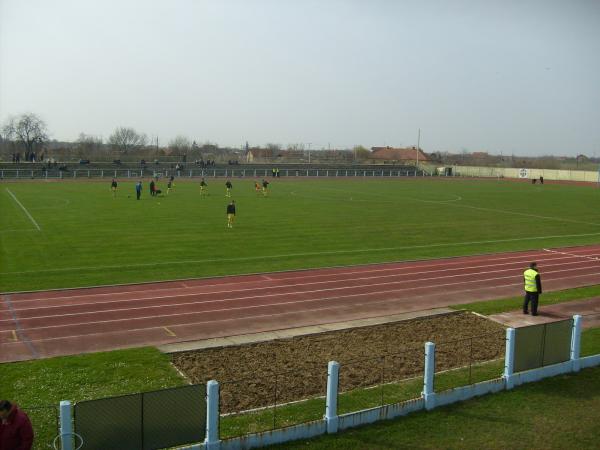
125	139
180	145
274	147
28	129
88	145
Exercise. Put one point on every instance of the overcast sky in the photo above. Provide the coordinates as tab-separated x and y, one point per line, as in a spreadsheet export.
499	76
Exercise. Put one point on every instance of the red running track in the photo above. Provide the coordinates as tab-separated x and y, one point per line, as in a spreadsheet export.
51	323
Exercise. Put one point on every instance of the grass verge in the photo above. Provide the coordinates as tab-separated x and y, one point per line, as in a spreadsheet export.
555	413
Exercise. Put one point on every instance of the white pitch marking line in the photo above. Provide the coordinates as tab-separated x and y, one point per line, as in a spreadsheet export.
15	230
291	255
24	209
521	260
504	211
480	281
280	314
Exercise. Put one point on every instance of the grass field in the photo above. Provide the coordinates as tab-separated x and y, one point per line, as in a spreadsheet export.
86	237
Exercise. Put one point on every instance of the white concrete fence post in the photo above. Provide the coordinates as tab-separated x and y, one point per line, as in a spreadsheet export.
509	358
211	441
576	342
429	376
331	415
66	425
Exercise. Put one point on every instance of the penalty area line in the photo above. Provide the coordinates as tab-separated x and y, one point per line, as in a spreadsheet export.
24	209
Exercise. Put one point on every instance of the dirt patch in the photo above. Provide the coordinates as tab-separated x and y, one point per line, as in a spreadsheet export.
284	370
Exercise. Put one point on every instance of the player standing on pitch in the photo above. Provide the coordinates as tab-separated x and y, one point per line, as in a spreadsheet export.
230	214
113	187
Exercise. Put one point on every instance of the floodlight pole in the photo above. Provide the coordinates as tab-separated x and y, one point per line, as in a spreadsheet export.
418	147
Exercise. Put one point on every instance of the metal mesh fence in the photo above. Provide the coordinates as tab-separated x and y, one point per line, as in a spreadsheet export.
360	384
45	422
272	401
590	337
467	361
380	380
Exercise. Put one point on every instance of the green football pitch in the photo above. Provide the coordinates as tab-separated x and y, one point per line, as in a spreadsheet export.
68	234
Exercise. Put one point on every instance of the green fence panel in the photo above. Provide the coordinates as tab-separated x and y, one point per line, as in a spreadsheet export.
174	416
529	344
557	344
110	423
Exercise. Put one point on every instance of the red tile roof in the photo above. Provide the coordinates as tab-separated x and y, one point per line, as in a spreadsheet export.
398	154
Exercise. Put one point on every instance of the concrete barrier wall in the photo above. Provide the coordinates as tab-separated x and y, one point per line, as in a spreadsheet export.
509	172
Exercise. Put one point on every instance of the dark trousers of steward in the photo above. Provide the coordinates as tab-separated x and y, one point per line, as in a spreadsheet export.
532	297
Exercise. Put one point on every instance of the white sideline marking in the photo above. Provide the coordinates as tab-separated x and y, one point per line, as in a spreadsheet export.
479	281
37	306
291	255
24	209
478	288
591	258
463	205
535	216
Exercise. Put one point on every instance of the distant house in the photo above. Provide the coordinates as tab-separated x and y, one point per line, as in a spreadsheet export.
391	155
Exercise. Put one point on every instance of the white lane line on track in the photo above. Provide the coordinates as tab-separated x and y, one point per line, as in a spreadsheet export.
480	281
588	257
293	255
24	209
173	295
305	274
280	314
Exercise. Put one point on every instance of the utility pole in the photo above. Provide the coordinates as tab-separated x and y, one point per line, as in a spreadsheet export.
418	147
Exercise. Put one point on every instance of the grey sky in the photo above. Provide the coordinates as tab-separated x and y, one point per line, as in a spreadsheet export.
502	76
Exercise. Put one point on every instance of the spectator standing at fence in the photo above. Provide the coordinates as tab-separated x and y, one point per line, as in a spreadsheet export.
228	187
230	214
113	187
138	189
533	289
16	432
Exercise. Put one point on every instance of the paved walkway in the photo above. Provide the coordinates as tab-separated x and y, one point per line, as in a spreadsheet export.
589	309
299	331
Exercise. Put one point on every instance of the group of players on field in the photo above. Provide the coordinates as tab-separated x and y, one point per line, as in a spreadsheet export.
259	188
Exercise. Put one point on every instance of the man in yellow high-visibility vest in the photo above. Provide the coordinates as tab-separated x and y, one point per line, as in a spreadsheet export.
533	289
